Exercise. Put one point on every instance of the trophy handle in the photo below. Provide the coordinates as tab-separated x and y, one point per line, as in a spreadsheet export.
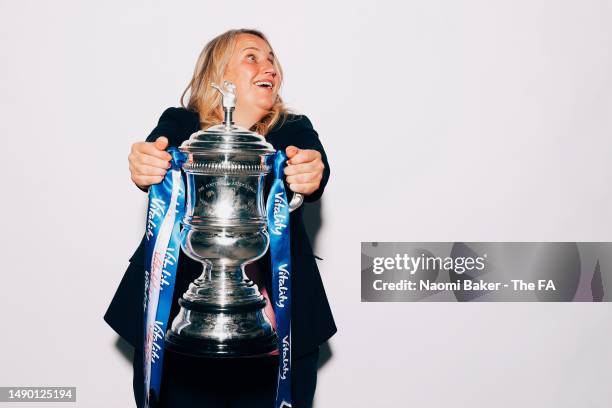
296	201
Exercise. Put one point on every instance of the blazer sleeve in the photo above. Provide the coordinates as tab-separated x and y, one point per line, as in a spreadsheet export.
303	136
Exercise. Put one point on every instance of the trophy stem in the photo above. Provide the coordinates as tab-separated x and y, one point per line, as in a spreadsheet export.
228	120
222	286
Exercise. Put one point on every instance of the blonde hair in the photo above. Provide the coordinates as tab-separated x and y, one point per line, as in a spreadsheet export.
210	67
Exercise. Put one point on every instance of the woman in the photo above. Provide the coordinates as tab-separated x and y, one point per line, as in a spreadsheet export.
245	58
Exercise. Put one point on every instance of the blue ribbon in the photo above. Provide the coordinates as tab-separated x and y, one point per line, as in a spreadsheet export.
280	254
162	247
165	213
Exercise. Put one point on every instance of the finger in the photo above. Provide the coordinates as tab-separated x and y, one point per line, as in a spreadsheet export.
305	156
145	181
303	178
310	167
303	188
161	143
150	149
144	170
151	161
291	151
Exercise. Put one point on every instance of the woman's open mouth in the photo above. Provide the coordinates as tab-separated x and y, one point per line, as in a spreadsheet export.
265	84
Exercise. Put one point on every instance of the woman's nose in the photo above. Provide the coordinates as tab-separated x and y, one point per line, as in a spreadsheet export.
269	69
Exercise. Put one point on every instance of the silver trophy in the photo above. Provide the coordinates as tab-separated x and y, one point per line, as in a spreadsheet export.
222	312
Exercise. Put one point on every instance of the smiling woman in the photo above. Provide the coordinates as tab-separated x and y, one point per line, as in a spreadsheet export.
245	58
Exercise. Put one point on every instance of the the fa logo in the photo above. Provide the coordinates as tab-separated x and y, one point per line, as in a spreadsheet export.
544	284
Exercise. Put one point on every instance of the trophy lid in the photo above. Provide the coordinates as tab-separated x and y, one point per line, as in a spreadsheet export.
226	137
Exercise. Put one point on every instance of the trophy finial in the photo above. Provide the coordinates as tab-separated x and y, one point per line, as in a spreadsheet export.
228	92
228	101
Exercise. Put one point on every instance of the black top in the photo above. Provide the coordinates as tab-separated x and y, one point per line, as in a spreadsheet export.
312	321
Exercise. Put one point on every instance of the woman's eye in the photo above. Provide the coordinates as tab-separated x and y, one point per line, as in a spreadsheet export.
251	57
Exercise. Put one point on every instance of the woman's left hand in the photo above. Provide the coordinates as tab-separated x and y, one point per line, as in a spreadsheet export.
304	170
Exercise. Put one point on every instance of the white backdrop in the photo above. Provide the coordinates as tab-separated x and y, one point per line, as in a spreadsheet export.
443	120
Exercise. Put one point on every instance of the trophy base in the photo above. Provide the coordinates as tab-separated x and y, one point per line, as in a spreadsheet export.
204	348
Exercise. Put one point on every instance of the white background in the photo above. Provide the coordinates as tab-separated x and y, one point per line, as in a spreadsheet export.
443	120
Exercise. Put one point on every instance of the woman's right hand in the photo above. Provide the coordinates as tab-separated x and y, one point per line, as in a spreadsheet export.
149	162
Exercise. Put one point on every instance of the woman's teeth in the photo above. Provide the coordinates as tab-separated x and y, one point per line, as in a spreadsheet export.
266	84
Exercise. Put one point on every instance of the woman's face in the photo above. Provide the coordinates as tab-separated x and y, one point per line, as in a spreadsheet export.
251	69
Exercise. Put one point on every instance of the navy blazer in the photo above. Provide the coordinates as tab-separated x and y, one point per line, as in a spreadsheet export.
312	322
